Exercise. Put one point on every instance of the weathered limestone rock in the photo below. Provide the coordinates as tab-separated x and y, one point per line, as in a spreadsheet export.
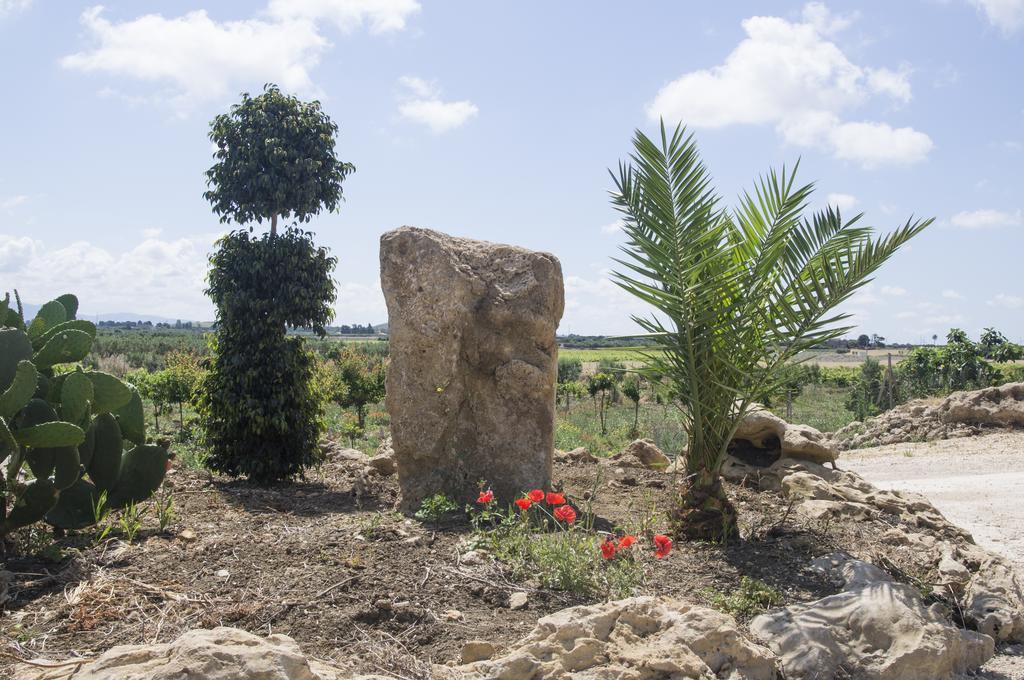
639	637
642	453
217	654
874	628
763	438
471	386
961	414
577	455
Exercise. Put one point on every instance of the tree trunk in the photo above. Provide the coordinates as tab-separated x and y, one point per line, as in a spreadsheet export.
273	224
361	416
703	512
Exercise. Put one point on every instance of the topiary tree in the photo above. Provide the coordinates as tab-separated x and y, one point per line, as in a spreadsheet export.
275	158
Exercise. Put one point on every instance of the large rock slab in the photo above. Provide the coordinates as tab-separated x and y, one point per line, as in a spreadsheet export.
217	654
474	361
639	637
873	629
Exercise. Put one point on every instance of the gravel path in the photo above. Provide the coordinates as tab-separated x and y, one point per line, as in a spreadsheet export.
976	483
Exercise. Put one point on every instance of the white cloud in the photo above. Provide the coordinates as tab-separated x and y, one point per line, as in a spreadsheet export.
591	304
906	315
12	202
1006	15
944	319
985	218
896	84
818	15
791	75
844	202
153	277
16	251
381	16
612	227
951	294
1006	301
421	103
193	58
152	232
895	291
12	6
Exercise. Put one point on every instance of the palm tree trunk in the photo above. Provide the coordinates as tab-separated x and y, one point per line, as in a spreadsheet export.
703	511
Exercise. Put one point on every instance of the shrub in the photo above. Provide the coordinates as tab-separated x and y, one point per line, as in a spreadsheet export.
751	598
569	370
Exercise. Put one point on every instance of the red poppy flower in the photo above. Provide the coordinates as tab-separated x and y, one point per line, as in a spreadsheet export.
536	495
565	513
626	541
555	498
662	545
524	503
485	497
608	548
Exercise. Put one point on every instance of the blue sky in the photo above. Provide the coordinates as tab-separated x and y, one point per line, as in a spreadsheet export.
499	121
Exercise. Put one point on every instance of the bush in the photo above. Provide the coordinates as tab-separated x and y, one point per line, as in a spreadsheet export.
261	414
569	370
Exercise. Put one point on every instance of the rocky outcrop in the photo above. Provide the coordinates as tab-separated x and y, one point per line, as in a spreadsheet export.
217	654
642	453
577	455
639	637
763	438
471	385
961	414
873	628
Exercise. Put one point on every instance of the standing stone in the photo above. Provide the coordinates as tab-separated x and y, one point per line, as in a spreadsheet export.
474	361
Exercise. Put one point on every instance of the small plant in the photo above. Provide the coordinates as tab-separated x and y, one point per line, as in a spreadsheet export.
751	598
131	521
101	517
434	508
165	514
542	537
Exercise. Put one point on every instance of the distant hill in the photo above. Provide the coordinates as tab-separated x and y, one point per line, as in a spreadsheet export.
31	310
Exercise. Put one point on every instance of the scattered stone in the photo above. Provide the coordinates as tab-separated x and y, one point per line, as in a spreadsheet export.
453	615
187	535
874	628
473	557
518	600
477	650
217	654
471	385
640	637
643	453
383	460
961	414
223	573
577	455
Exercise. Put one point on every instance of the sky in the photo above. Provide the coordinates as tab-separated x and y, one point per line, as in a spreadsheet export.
499	121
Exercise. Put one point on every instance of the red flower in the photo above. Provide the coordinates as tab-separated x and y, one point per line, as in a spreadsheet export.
536	495
555	498
662	545
565	513
485	497
608	548
524	503
626	541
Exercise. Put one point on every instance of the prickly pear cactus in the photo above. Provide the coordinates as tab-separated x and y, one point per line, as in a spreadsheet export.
63	430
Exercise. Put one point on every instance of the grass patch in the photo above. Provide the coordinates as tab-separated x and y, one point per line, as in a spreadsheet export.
749	600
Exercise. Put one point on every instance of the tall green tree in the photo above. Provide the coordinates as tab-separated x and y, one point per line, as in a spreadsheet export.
736	294
275	159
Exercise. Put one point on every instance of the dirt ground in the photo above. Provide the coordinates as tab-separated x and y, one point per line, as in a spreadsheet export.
975	482
328	562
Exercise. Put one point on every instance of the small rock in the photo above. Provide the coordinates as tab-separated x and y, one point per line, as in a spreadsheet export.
517	600
453	615
477	650
472	557
187	535
223	573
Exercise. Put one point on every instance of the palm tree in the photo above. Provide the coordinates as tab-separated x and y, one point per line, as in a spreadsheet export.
736	294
